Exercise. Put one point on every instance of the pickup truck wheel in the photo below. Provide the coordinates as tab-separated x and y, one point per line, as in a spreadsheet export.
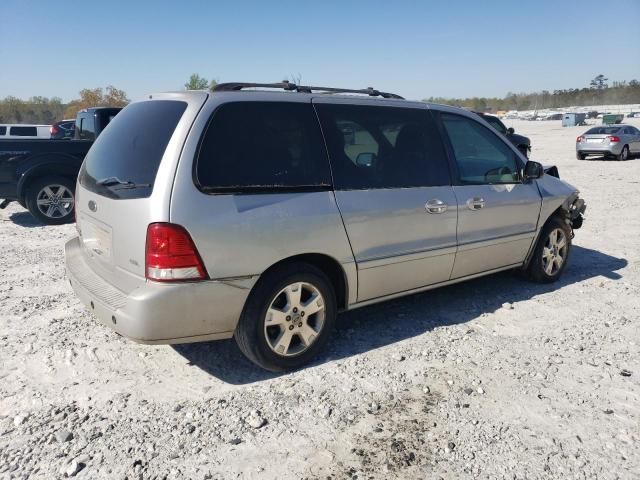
51	200
552	252
288	318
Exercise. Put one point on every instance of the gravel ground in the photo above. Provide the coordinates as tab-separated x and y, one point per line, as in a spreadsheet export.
493	378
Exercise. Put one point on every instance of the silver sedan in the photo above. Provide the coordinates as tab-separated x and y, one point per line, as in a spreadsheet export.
618	141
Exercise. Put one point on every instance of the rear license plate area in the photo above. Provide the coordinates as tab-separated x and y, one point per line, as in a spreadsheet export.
96	239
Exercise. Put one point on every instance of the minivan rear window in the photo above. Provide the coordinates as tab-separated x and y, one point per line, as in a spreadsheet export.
124	160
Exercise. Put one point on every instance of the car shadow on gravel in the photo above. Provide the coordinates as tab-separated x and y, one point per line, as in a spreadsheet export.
369	328
25	219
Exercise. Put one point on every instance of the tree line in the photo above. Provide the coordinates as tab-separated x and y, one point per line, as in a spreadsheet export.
597	93
43	110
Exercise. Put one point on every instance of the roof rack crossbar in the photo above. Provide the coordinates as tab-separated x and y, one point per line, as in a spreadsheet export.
292	87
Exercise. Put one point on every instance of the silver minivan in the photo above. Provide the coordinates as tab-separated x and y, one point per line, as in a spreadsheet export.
261	214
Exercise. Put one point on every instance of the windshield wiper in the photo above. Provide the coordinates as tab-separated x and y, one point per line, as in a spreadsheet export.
115	181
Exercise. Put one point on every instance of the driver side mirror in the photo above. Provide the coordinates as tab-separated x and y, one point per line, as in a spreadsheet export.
510	131
533	170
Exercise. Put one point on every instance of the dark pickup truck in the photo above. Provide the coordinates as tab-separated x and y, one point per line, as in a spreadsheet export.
521	142
41	174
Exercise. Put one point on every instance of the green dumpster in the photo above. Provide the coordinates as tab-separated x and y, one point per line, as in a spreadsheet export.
612	118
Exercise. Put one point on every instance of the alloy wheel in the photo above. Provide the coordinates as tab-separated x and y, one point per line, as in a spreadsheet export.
554	252
55	201
294	319
625	153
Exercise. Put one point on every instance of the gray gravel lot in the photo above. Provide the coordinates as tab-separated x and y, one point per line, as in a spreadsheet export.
493	378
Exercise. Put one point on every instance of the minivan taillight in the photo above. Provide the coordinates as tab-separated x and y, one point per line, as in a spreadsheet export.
613	139
171	255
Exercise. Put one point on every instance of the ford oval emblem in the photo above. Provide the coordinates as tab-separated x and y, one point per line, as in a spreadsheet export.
93	206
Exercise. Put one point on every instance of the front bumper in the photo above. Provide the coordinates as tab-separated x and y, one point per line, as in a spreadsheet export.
158	312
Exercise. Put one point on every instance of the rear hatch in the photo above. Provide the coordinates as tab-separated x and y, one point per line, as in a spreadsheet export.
126	180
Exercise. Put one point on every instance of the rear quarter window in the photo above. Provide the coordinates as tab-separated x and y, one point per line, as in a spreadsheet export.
262	147
131	149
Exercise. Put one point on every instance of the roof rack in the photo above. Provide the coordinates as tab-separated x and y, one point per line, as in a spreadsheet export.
292	87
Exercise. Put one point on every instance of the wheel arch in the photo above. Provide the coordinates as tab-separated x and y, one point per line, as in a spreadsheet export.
328	265
50	167
561	213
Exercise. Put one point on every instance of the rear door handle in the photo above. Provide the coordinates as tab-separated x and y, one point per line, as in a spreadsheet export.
436	206
475	203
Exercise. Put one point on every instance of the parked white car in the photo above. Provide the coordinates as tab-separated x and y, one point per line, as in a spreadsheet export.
24	131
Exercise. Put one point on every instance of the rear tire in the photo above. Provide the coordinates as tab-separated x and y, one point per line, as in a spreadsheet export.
274	331
51	200
580	156
624	154
552	252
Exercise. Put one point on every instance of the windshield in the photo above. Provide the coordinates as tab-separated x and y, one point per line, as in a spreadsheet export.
603	131
130	149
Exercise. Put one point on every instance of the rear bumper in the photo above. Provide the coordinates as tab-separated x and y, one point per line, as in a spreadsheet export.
156	312
614	149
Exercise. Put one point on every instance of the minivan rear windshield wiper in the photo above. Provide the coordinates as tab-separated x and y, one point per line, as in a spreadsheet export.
115	181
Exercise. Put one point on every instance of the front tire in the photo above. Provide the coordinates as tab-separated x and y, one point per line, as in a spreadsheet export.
624	154
552	252
288	318
51	200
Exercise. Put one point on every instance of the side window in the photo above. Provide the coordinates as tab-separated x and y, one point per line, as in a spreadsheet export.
497	124
357	140
87	129
3	131
262	146
384	147
23	131
482	157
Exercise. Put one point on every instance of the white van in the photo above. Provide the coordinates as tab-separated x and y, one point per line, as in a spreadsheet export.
24	131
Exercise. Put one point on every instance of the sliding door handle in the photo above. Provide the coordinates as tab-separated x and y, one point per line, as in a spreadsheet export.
436	206
475	203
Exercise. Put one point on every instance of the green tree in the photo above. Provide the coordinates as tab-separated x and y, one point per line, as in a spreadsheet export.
115	97
599	83
96	97
196	82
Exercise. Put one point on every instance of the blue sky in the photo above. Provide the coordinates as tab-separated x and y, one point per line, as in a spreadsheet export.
417	49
